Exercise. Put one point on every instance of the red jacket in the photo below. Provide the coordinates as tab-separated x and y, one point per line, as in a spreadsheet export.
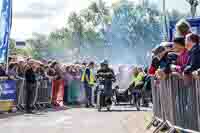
152	70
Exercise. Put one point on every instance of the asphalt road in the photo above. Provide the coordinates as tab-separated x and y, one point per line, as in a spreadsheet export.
123	119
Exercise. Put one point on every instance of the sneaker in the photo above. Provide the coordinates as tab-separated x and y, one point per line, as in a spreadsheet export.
92	106
29	112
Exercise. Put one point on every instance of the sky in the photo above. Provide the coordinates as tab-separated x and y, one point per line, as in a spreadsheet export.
44	16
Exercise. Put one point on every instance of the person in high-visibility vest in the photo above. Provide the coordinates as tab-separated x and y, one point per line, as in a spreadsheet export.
88	81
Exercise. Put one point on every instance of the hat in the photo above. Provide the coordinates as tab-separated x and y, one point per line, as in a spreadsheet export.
104	62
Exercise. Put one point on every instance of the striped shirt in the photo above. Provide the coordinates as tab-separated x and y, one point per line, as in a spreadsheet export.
182	60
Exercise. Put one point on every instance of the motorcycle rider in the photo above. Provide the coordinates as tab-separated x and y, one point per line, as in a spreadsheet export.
108	75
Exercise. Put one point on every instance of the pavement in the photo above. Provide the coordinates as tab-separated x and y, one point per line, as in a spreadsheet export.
122	119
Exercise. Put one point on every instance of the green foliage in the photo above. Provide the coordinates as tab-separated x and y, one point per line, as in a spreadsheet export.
133	27
16	51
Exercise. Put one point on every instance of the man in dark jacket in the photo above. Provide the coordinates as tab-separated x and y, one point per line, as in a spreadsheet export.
109	76
30	78
192	44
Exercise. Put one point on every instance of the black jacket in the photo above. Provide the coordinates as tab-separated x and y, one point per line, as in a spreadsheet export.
30	76
194	60
107	74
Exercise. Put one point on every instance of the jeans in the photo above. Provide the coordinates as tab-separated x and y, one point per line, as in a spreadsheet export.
88	92
30	92
108	88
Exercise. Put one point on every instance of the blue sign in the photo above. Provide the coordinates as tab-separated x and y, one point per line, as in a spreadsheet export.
8	90
5	27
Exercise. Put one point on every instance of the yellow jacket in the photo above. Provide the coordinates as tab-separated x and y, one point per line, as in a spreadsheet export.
137	79
88	77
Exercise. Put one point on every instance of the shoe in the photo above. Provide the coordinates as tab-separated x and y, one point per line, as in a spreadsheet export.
92	106
29	112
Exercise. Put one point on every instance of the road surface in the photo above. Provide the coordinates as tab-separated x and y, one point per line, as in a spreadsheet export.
78	120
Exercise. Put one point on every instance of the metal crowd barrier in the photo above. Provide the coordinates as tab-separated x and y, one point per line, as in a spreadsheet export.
198	101
156	98
13	93
177	102
21	93
44	92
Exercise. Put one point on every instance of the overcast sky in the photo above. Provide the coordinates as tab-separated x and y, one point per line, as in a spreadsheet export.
43	16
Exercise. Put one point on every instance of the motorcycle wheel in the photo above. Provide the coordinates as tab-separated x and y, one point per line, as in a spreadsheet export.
99	101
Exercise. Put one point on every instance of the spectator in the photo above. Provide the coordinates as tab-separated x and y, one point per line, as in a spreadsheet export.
192	44
134	77
140	78
160	61
156	59
182	55
182	28
12	70
50	72
2	70
30	85
20	69
67	78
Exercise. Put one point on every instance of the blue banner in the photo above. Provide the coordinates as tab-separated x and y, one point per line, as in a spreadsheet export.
5	28
8	90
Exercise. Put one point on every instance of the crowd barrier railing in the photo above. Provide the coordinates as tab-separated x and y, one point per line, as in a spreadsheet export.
13	93
41	93
44	92
177	102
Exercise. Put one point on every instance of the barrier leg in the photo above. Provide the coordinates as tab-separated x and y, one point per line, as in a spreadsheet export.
37	106
160	126
20	108
172	130
150	124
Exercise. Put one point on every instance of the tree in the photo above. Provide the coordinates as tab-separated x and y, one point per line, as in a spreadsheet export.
129	28
176	15
193	5
135	29
16	51
38	45
60	34
75	23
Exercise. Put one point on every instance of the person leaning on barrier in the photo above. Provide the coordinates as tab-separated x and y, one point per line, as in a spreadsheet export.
160	61
159	57
182	54
192	44
12	70
30	78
